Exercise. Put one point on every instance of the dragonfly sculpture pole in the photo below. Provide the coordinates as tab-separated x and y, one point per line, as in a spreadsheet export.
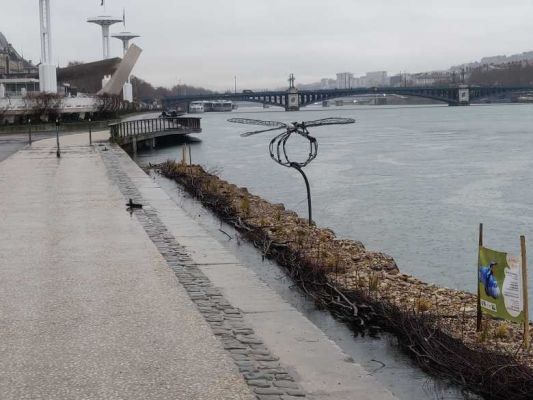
278	145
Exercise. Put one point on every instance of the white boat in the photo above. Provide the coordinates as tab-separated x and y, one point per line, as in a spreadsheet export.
221	106
196	107
211	106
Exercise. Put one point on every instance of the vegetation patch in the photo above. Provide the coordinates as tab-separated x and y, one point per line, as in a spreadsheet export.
436	326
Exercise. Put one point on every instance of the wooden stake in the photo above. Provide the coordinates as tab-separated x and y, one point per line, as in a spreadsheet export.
524	291
184	154
479	315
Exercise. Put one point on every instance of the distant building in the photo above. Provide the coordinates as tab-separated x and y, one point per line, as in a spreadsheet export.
327	83
434	78
11	62
397	80
376	78
356	82
344	80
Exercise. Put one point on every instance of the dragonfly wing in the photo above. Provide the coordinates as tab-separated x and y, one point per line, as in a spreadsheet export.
246	134
329	121
249	121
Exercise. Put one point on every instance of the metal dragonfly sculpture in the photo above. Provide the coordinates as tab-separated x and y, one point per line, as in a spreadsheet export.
278	145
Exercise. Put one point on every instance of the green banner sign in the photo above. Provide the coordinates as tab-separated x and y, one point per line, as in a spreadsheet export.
500	285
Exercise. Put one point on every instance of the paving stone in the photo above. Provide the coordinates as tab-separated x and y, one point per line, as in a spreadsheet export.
245	331
230	345
283	377
250	339
258	375
239	357
272	370
262	383
214	318
286	384
296	393
266	358
269	364
219	332
231	311
273	391
244	363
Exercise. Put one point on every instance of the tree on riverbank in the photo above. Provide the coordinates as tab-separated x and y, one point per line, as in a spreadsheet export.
145	91
516	73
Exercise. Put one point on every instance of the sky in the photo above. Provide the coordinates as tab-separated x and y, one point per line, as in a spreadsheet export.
209	42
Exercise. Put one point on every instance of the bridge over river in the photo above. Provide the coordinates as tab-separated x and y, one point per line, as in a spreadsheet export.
147	131
292	99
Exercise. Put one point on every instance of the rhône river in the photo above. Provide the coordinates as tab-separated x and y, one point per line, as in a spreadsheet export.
413	182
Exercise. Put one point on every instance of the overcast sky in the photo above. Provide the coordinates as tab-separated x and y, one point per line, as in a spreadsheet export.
208	42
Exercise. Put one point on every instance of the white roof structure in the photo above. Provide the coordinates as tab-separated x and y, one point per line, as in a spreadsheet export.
125	37
105	21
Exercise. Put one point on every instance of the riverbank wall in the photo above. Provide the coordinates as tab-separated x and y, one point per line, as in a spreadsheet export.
436	326
51	127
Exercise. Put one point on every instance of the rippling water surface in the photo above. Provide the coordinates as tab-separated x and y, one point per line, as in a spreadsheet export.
413	182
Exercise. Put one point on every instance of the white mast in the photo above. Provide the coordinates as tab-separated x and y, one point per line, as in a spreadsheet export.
47	70
105	21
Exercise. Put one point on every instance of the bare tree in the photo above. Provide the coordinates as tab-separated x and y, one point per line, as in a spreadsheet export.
44	105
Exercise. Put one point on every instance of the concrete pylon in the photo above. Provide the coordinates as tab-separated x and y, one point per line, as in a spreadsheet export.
47	70
125	37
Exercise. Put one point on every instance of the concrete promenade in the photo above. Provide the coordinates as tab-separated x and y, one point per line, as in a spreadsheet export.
96	303
88	307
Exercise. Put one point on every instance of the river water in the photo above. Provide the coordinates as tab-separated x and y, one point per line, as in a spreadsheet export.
413	182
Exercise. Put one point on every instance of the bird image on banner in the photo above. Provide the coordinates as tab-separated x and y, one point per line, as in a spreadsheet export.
487	278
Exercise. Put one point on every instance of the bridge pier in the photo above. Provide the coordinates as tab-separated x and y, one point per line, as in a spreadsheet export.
134	146
292	100
463	96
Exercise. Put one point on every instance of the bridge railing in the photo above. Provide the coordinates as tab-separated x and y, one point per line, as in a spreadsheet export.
140	127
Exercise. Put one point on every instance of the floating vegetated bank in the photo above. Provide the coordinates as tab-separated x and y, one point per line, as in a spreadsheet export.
435	326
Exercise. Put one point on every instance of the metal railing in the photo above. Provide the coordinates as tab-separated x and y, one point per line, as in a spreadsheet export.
128	129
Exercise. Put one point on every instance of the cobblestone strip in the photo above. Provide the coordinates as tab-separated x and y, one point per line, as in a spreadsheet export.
267	378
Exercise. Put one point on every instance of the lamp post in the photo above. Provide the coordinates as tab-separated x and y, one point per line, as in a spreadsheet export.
29	131
90	131
58	152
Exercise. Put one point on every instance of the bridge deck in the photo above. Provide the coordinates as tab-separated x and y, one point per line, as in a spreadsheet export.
450	94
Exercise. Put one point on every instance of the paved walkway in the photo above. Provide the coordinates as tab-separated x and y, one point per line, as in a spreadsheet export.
96	303
88	306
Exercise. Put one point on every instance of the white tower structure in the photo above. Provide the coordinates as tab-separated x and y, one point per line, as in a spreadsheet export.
105	21
47	70
125	37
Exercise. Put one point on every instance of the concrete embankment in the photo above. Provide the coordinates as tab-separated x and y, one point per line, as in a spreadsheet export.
99	303
436	326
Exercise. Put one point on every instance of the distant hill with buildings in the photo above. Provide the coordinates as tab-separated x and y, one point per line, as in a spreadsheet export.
526	56
516	69
11	62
